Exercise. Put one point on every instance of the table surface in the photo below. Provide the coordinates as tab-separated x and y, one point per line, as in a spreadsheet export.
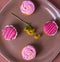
55	2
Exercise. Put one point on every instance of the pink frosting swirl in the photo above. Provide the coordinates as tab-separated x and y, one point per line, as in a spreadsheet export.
27	7
28	52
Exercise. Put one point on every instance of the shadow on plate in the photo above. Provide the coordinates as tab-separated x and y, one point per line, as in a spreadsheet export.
19	28
37	4
38	47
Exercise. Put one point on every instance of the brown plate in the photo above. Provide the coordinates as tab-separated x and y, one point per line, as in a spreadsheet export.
47	47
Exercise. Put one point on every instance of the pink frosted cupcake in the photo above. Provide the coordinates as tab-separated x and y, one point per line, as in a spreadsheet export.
50	28
28	52
9	32
27	7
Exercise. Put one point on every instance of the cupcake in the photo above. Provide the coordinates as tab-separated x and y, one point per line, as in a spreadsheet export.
27	7
50	28
28	52
9	32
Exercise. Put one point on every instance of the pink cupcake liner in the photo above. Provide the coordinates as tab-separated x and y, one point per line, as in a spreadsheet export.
9	32
50	28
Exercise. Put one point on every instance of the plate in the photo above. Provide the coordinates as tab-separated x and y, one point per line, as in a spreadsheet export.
47	47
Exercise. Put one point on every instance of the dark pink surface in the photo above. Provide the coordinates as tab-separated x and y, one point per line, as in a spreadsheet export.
2	58
56	3
2	3
57	59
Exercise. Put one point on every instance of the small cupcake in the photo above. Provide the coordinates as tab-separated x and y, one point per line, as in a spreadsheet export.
9	32
27	7
28	52
50	28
